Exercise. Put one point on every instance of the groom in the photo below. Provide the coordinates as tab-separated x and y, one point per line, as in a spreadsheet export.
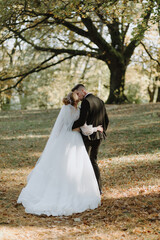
92	112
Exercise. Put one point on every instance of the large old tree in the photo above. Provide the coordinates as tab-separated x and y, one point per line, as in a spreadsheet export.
106	30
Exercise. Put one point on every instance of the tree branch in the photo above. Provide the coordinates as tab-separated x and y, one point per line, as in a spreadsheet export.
149	53
124	32
115	34
56	51
3	40
93	33
36	24
36	69
139	36
32	70
67	24
106	49
73	28
77	41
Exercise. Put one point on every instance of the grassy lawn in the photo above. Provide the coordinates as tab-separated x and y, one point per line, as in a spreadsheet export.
129	160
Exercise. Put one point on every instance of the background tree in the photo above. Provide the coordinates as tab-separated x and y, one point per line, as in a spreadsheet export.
109	32
158	65
151	66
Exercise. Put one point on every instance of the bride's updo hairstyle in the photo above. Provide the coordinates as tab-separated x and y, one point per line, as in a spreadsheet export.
71	98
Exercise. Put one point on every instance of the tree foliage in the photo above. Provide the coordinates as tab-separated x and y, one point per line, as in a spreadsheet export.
106	30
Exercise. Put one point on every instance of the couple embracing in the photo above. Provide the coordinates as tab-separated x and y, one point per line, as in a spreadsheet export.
66	178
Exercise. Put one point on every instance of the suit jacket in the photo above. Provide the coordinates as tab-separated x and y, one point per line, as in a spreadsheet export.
93	112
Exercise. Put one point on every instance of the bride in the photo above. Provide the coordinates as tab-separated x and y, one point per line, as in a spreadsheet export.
63	181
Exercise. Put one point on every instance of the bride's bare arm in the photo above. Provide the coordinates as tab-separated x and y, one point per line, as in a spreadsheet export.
76	129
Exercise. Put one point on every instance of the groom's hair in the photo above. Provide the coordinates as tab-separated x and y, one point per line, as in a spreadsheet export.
79	85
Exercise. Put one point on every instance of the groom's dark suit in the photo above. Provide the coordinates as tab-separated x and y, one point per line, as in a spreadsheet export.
93	112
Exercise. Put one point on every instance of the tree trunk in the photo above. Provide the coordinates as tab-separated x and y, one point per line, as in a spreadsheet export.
117	84
151	93
158	95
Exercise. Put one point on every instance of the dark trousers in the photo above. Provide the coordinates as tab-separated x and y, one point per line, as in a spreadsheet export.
92	147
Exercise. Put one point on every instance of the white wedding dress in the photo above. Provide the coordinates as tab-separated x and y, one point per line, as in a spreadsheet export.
63	181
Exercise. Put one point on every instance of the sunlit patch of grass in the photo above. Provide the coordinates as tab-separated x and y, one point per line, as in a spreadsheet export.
25	137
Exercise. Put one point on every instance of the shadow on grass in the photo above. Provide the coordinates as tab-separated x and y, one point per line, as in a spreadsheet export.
134	175
126	149
125	213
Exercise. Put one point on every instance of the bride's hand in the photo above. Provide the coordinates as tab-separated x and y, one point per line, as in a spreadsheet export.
100	128
76	129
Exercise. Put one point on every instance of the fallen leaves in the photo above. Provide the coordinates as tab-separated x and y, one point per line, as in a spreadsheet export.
130	169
